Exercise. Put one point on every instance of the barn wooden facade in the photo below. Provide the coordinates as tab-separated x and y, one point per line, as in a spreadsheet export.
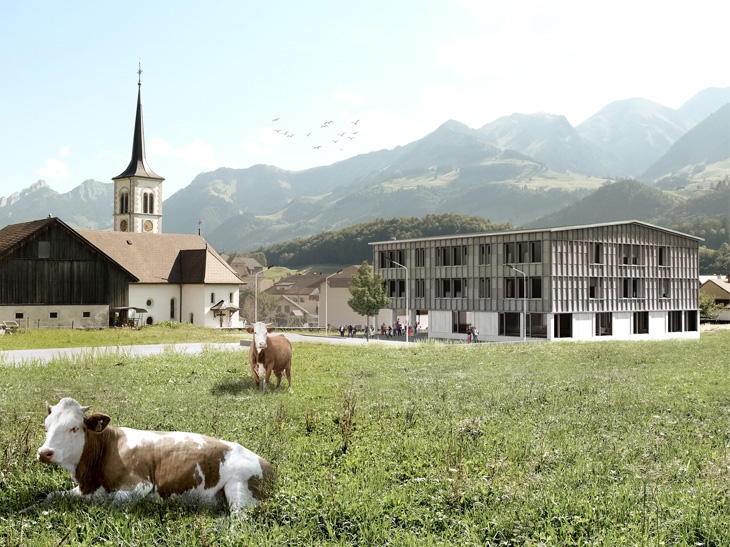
50	276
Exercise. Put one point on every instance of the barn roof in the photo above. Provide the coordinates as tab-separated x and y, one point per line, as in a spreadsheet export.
297	284
14	236
164	258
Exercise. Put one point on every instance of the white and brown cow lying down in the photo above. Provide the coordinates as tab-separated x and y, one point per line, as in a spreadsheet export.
268	354
122	462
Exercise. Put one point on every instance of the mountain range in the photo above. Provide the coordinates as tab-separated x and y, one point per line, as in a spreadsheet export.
523	169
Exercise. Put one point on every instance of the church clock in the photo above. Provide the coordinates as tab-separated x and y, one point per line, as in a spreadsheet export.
123	226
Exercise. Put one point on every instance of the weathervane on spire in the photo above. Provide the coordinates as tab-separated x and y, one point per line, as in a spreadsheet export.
139	74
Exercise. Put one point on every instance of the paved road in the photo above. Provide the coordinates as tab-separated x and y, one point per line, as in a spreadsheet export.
21	356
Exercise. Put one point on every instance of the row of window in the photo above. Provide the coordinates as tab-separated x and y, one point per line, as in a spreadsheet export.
519	252
514	287
51	315
148	203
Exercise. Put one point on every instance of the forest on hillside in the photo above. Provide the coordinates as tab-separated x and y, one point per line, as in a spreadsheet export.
352	245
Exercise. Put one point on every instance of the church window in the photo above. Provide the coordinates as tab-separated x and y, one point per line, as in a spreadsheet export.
172	308
124	203
148	203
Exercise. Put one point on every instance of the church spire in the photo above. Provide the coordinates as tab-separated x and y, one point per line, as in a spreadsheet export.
138	166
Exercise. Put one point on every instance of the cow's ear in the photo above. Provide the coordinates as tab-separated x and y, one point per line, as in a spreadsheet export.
270	329
48	408
97	422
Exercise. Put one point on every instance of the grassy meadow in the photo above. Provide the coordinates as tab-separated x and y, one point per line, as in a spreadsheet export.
604	443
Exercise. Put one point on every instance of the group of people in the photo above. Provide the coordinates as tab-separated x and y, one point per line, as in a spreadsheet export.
396	329
472	334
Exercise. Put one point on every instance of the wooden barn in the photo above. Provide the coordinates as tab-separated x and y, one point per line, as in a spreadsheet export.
51	277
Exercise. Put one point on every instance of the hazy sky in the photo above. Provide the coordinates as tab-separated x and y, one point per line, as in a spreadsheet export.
216	73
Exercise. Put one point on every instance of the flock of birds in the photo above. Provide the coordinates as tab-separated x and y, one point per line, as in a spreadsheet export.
335	138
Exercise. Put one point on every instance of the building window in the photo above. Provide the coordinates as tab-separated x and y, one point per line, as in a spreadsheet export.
630	288
535	251
675	321
509	253
172	308
44	249
443	288
401	288
665	289
604	325
595	287
53	315
523	252
563	326
459	322
485	287
537	323
536	287
690	321
148	203
485	254
124	202
509	324
597	253
420	258
212	298
509	287
420	288
19	315
459	255
641	322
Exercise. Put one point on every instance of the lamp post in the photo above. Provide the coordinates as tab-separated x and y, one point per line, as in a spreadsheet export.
256	294
327	302
408	315
524	300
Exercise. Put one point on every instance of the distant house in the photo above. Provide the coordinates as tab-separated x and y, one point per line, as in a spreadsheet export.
718	287
244	266
334	294
51	277
298	299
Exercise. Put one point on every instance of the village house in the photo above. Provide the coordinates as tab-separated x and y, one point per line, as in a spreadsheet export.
718	287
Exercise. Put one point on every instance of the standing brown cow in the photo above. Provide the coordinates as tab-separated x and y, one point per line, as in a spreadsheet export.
268	354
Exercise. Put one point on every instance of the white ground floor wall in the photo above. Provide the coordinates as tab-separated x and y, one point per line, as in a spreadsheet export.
57	317
583	327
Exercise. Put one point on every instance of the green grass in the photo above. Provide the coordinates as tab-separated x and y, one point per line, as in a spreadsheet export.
161	333
605	443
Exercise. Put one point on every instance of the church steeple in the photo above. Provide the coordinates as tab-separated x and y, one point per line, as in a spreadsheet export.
138	189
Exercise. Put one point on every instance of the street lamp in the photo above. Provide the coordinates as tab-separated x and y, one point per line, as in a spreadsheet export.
408	315
256	294
524	300
327	302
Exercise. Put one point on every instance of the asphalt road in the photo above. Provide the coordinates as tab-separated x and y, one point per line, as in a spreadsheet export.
21	356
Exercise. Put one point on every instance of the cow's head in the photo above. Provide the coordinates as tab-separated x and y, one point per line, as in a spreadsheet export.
66	427
260	331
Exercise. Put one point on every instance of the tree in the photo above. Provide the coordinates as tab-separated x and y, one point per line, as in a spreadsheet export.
709	308
368	294
267	304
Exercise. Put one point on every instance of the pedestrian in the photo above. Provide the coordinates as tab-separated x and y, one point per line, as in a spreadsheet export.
468	334
474	335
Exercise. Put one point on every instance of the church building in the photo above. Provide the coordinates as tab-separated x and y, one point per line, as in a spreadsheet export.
52	276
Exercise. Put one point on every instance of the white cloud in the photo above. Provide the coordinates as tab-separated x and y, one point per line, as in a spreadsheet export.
54	169
349	97
64	151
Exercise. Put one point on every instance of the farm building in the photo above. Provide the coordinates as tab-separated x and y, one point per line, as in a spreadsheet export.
51	276
618	280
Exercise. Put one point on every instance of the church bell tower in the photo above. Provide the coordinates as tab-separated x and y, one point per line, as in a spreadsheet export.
138	189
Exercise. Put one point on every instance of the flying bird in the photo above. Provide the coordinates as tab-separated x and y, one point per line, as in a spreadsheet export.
309	133
277	130
275	119
355	122
336	140
317	147
341	134
350	138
